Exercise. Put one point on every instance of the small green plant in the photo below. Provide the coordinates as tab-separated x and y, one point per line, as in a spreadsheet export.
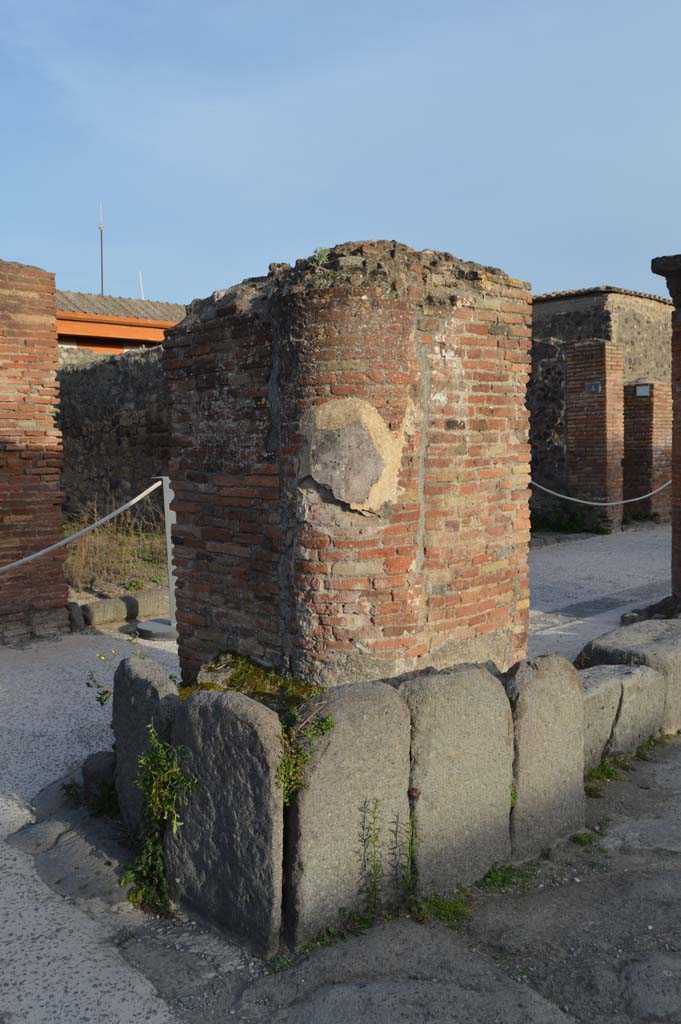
514	796
105	802
583	838
403	843
319	258
297	741
500	877
283	694
450	910
371	860
165	788
609	770
134	585
73	794
103	693
280	963
647	749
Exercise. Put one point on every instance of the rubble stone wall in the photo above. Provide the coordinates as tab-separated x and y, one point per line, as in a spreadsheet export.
115	424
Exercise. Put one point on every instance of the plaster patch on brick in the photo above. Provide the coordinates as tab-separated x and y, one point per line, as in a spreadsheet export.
352	452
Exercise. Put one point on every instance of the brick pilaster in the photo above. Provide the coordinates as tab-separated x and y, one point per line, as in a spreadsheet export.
32	599
595	428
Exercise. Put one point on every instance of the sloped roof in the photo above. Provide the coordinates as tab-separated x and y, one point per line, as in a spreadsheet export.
112	305
598	290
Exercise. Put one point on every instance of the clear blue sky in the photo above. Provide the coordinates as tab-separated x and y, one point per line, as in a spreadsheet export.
537	136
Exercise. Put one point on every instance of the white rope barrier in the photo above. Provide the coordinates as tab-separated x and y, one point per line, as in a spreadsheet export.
159	483
80	533
601	504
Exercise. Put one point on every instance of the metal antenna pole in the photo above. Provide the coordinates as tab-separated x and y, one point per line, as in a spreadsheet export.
141	285
101	252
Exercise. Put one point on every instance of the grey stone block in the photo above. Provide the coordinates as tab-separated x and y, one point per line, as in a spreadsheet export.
142	694
105	609
602	689
98	770
655	642
548	718
642	711
226	860
462	770
364	758
76	618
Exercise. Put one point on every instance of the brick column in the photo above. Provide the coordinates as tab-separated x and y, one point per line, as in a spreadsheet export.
669	267
595	429
350	463
647	447
32	599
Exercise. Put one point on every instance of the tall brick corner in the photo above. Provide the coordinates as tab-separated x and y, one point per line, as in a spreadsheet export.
648	447
669	267
32	598
350	462
595	429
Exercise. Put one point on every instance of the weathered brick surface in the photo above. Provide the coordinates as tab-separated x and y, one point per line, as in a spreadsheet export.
351	465
33	598
595	434
648	447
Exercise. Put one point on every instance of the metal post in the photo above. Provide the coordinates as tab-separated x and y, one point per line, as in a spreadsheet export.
169	519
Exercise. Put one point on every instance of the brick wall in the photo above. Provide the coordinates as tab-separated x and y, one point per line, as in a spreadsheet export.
647	447
595	428
350	465
33	598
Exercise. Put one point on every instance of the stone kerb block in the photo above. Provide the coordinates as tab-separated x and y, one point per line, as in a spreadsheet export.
226	860
142	694
623	706
656	643
643	708
548	717
602	689
462	770
363	759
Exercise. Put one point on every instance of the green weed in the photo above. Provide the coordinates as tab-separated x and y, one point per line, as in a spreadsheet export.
450	910
500	877
165	788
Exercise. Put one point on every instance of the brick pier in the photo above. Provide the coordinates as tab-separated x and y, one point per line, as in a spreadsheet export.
32	599
350	462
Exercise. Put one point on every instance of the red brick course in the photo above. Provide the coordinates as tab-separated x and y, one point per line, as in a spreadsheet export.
595	428
648	447
269	561
32	599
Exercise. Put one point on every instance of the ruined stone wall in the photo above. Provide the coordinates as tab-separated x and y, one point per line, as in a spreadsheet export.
643	327
350	465
115	424
32	598
546	402
572	318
